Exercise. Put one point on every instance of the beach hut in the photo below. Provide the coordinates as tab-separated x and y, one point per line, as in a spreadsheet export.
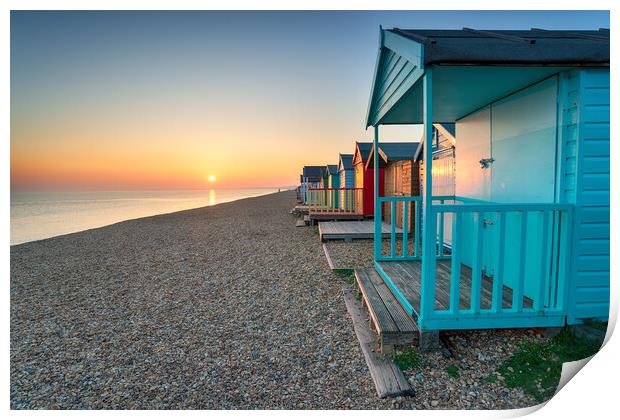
444	158
324	177
310	178
401	177
333	183
363	178
530	210
444	170
347	181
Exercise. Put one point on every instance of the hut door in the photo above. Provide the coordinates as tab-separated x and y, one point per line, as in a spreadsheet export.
524	128
473	179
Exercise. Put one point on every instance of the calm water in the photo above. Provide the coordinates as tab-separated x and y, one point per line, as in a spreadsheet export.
40	215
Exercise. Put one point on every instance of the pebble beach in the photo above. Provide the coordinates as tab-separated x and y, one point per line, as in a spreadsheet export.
222	307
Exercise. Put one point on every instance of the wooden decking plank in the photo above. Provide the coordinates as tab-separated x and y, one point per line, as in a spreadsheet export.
378	311
353	230
406	275
408	281
388	379
401	318
328	257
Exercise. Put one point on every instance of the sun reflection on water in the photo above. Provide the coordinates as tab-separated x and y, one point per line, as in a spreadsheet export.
212	198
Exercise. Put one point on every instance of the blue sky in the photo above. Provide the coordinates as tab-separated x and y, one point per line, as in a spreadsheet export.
119	96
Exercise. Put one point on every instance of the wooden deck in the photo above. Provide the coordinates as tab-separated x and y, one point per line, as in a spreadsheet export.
407	277
392	323
363	229
336	216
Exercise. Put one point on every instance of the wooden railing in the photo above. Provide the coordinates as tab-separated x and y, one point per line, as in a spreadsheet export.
521	247
336	201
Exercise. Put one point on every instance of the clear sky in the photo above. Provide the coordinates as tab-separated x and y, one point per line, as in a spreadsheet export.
162	100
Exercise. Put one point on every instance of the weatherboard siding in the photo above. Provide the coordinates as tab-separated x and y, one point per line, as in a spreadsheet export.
396	73
586	183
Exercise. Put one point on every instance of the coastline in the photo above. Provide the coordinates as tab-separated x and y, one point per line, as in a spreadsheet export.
105	224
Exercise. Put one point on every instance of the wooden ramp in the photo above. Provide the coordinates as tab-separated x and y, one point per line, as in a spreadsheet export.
388	378
348	230
394	326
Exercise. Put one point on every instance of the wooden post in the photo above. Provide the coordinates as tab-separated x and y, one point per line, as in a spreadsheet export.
377	219
427	287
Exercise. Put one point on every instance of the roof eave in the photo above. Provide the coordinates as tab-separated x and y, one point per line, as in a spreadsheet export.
374	78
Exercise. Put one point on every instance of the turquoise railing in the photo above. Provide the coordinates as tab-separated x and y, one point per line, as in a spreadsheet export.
405	220
521	246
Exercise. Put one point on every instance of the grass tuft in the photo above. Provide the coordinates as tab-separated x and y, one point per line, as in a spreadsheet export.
453	371
536	366
595	324
346	274
492	378
407	359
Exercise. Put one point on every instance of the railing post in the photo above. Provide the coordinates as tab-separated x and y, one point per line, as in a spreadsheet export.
416	229
498	270
440	236
377	210
544	274
517	294
393	228
476	267
455	265
564	295
427	289
405	228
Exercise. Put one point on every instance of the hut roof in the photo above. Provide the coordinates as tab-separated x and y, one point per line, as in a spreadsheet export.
393	151
534	46
363	148
472	68
313	173
346	162
398	151
332	169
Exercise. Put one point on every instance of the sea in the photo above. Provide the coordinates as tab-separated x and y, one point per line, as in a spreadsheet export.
40	215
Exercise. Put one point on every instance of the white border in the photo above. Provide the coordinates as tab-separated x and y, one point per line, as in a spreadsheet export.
592	394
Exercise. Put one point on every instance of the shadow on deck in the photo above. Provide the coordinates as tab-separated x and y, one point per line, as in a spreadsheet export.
407	275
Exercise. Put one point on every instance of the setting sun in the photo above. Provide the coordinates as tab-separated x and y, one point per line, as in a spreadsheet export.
211	178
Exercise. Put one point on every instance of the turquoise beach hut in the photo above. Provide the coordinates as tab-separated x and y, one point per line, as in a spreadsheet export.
529	218
333	183
347	180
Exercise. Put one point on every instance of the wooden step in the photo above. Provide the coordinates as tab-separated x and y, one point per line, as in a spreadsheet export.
388	378
393	325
